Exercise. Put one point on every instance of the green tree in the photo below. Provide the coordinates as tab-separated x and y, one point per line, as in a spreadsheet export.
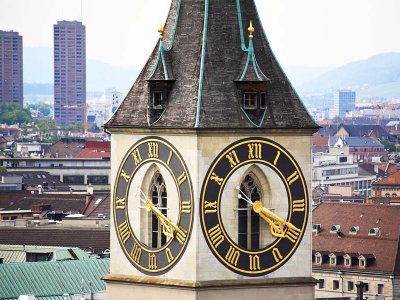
11	113
3	169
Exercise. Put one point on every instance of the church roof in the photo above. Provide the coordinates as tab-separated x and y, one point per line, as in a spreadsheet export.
205	50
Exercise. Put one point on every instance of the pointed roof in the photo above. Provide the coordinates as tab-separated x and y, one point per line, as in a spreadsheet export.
205	48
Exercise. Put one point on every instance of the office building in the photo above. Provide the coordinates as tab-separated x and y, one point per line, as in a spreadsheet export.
343	103
69	72
11	77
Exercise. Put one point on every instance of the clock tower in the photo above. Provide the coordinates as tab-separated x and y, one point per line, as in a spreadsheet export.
211	163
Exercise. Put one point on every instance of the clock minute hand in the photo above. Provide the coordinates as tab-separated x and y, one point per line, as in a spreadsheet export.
168	226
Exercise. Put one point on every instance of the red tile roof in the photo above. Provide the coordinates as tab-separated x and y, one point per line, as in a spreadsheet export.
392	179
384	247
96	149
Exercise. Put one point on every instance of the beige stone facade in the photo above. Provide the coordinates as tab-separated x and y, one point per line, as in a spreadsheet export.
198	264
335	284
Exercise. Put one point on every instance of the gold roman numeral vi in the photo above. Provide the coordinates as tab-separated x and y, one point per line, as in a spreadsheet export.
254	262
152	261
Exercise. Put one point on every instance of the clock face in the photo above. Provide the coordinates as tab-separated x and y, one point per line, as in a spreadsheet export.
254	206
153	205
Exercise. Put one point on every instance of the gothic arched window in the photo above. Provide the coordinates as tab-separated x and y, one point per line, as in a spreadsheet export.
248	220
158	193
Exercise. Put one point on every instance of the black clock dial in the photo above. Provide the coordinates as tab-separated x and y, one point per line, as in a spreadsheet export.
175	233
286	231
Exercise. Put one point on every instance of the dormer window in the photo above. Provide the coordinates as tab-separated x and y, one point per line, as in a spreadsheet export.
335	228
362	262
318	258
158	100
250	100
354	230
347	260
374	231
332	259
316	228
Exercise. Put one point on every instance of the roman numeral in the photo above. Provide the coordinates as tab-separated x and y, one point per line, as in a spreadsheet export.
254	262
278	154
152	261
277	254
169	255
299	205
119	203
169	157
124	232
255	151
292	178
216	236
232	256
136	156
232	158
181	235
136	253
210	207
181	179
153	150
125	176
186	207
217	179
292	234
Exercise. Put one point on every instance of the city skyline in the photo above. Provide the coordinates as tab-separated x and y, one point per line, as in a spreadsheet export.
311	33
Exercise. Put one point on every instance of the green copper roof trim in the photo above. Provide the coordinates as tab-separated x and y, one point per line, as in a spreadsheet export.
178	10
239	12
251	57
203	60
160	55
254	124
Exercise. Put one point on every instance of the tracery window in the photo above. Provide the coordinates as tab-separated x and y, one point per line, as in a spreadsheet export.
158	193
248	220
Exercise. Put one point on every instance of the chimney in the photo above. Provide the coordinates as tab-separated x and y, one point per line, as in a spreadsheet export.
90	189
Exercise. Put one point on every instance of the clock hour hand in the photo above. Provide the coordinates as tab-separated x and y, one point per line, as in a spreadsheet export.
168	226
275	222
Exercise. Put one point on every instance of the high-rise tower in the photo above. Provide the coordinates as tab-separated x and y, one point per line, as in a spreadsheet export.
69	72
211	166
11	75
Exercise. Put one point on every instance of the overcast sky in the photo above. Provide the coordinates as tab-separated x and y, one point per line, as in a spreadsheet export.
320	33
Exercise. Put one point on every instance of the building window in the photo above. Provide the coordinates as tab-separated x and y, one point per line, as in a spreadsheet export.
366	287
332	259
321	283
248	220
350	286
74	179
263	100
318	258
97	180
159	198
381	288
335	284
158	100
347	260
250	100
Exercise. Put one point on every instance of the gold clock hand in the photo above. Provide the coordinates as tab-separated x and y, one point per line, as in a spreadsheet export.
168	226
276	223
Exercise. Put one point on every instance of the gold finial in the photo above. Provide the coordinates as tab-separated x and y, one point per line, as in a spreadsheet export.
251	30
161	31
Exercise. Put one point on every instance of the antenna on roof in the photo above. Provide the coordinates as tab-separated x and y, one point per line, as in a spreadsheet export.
81	12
